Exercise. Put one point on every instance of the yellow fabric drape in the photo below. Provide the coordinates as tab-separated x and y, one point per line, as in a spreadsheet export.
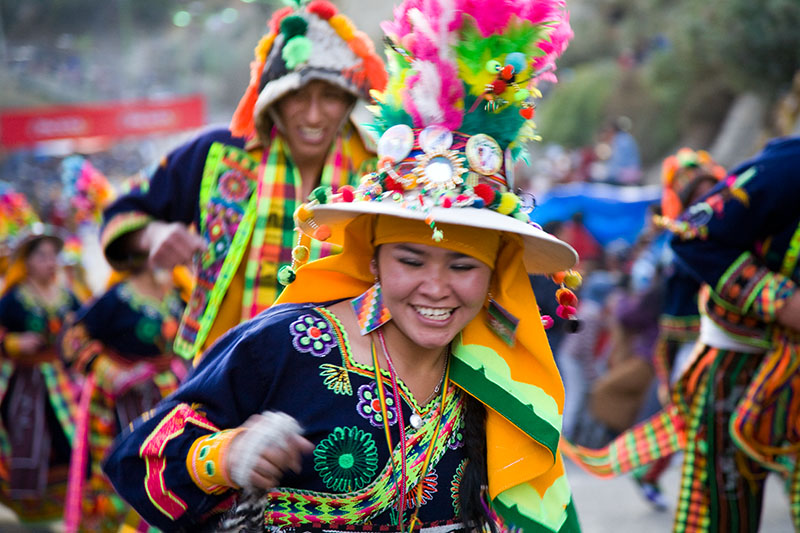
16	274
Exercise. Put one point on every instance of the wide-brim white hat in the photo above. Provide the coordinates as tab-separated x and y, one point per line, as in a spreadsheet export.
543	253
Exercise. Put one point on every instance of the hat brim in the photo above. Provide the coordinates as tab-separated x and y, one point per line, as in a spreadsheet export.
23	247
543	253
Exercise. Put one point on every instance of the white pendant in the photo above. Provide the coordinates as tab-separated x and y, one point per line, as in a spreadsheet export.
415	421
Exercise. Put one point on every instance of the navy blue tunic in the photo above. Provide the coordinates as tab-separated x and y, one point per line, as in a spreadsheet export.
294	359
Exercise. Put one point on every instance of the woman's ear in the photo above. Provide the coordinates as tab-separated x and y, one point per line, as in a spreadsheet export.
373	266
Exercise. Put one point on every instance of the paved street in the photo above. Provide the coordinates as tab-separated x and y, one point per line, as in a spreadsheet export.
615	506
606	506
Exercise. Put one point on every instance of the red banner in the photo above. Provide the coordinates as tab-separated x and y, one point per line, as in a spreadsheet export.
23	127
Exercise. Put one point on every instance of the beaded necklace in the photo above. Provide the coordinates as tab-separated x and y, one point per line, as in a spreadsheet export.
401	425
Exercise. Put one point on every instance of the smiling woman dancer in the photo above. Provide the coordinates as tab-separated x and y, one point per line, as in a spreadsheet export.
421	392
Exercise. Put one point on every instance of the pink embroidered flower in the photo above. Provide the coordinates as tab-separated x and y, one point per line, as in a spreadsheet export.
369	405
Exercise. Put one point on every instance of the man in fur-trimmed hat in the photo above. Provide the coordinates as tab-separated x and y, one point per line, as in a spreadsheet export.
239	187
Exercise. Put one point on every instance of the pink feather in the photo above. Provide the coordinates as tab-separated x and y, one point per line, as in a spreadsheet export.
437	20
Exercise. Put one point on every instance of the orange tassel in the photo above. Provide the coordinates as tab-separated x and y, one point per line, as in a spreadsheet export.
376	72
243	122
671	205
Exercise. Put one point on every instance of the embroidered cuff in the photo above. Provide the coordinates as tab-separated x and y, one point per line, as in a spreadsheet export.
11	345
774	293
207	461
117	227
749	289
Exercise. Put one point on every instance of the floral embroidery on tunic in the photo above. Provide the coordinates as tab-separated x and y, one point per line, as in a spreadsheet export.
311	334
429	487
457	440
347	459
369	405
234	186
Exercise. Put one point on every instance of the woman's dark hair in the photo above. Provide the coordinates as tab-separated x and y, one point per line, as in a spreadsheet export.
475	478
686	194
37	242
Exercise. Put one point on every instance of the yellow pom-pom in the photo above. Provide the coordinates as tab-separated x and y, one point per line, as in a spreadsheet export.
508	202
573	279
343	26
303	213
300	253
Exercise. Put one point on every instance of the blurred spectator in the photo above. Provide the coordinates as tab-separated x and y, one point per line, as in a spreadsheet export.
624	165
575	233
581	357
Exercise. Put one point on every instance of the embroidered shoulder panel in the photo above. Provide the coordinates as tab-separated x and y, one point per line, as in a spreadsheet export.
227	215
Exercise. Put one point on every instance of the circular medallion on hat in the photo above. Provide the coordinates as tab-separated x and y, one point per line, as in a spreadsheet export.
484	154
441	170
396	143
435	139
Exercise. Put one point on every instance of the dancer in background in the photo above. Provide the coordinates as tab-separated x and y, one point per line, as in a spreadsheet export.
239	187
686	177
740	395
37	394
735	404
122	343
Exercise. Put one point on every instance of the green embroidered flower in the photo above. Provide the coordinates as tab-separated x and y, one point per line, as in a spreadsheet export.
147	329
347	460
35	323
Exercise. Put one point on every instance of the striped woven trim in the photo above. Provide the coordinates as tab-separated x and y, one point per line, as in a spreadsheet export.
659	436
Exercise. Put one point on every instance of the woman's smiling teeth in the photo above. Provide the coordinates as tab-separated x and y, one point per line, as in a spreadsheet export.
312	134
434	313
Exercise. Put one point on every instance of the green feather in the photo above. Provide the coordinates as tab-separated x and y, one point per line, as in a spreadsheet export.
504	126
388	116
475	50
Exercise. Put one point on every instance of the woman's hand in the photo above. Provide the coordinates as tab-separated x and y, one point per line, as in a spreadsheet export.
170	244
29	343
269	445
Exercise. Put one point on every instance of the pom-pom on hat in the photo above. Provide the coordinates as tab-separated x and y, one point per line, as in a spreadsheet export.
681	172
306	41
455	115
